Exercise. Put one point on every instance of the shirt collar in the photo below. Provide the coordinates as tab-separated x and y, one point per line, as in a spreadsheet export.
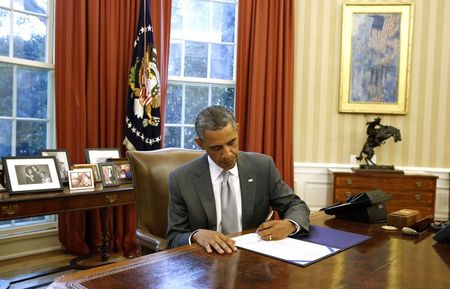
215	170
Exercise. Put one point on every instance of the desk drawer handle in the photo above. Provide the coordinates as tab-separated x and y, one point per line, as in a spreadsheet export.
10	210
418	184
111	198
348	194
349	181
418	197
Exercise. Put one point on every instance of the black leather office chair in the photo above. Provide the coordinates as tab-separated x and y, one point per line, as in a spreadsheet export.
151	171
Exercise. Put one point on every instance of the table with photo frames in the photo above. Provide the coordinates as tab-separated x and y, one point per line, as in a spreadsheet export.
15	206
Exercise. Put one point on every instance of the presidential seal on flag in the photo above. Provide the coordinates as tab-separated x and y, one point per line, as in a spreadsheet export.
142	128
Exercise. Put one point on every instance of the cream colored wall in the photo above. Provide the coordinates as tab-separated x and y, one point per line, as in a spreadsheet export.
322	135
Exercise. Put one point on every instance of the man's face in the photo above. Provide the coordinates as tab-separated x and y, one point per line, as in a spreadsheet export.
222	146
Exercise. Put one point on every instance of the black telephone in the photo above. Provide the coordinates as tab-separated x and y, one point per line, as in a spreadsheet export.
363	207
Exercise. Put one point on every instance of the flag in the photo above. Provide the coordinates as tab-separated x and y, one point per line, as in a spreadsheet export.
142	122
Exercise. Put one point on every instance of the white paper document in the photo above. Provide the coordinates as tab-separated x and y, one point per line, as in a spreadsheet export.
289	249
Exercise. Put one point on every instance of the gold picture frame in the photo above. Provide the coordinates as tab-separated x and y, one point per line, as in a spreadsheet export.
375	57
93	167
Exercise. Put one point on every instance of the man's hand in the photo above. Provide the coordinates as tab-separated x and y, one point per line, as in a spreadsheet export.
214	240
275	230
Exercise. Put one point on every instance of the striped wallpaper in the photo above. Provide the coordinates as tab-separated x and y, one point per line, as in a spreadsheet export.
323	135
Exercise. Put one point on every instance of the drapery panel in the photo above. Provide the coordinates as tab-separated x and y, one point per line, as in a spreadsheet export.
264	80
93	50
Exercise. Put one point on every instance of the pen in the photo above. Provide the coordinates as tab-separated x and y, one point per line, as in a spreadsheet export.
269	216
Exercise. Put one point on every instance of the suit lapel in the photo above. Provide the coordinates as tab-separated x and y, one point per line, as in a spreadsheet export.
204	189
247	179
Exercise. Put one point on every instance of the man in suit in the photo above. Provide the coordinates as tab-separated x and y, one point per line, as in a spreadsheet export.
195	205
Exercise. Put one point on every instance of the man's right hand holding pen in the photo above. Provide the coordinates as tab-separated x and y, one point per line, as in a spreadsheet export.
275	229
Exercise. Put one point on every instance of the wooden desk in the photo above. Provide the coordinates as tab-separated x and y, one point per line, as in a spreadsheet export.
38	204
388	260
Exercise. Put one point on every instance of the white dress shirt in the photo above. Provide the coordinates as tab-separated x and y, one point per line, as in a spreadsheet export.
216	180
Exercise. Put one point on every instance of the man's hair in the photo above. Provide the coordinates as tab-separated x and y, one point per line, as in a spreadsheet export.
213	117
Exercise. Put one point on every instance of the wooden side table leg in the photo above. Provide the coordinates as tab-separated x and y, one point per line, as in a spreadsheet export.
104	253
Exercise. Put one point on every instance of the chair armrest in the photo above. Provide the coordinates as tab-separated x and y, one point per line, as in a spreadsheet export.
150	241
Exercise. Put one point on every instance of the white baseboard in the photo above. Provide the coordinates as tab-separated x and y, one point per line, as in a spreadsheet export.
312	182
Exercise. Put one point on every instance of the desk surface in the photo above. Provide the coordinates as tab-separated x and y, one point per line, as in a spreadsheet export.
388	260
38	204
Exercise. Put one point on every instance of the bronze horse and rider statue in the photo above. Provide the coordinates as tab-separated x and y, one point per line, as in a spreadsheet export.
377	134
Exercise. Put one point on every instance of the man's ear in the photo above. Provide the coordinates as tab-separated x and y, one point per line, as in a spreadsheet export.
199	142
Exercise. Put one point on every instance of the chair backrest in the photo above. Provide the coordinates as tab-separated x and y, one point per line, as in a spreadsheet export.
151	171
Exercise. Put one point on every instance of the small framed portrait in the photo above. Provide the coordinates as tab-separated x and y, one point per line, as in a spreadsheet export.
31	174
108	174
93	167
62	162
123	170
100	155
81	179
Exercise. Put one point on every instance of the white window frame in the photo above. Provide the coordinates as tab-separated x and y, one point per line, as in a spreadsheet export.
207	81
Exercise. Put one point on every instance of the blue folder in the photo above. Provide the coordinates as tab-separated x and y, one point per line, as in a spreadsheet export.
332	238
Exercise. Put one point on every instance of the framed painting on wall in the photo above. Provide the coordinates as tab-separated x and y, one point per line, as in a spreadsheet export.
375	60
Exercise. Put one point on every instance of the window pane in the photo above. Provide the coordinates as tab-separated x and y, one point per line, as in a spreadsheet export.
38	6
196	20
6	89
174	101
5	3
28	221
31	137
4	31
189	135
175	59
223	95
32	92
172	137
203	41
176	20
196	99
29	36
222	59
223	22
196	59
5	139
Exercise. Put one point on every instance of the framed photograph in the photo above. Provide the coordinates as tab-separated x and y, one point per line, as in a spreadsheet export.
108	174
375	60
62	162
81	179
123	169
100	155
93	167
31	174
2	177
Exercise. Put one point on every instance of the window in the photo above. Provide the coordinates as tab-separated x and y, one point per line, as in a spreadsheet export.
201	64
26	83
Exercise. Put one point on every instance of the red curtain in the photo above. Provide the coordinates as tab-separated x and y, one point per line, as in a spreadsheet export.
264	92
93	50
